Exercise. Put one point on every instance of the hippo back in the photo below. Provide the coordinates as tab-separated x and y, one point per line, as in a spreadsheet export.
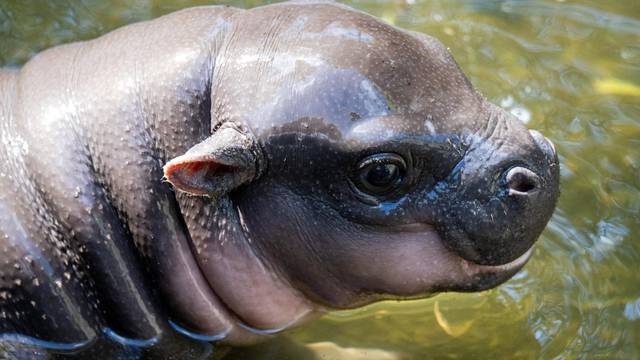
71	276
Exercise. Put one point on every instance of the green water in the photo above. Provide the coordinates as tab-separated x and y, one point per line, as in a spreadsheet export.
571	69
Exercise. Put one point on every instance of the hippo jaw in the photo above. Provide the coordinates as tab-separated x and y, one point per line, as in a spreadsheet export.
437	268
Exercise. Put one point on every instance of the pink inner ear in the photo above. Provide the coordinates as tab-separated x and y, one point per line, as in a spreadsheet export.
192	176
196	166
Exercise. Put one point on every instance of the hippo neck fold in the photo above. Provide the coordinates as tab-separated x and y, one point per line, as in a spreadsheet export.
263	301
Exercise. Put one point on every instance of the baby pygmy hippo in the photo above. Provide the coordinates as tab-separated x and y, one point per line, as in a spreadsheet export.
219	175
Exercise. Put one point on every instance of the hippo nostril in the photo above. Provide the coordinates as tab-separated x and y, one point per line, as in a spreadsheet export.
522	181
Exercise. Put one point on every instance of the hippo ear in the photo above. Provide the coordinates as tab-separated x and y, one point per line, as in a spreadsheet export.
222	162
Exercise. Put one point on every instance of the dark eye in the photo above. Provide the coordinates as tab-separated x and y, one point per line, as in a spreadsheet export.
380	174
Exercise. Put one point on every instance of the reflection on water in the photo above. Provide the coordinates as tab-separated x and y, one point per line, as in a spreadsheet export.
569	69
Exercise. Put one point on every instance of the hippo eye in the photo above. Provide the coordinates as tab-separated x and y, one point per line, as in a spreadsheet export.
380	174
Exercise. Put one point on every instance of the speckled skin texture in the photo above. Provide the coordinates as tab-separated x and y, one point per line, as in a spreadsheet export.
279	105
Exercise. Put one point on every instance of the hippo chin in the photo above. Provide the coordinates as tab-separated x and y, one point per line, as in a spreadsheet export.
220	174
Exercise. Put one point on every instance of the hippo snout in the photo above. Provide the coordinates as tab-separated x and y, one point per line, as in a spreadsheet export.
502	198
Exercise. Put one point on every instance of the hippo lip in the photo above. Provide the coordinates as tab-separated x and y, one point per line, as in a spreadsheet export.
518	262
445	269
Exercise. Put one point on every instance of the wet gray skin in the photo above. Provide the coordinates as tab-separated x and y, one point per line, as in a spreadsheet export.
313	158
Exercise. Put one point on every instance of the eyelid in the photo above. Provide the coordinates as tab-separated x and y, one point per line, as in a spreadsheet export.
382	158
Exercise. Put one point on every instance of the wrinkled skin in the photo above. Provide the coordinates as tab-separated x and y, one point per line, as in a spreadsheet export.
270	126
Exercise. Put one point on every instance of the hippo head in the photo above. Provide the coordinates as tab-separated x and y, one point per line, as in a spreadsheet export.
362	165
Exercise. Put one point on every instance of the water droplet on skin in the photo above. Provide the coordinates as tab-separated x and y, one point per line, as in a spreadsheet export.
76	194
58	283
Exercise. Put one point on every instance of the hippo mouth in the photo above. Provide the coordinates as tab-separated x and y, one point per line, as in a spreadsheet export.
495	274
423	255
